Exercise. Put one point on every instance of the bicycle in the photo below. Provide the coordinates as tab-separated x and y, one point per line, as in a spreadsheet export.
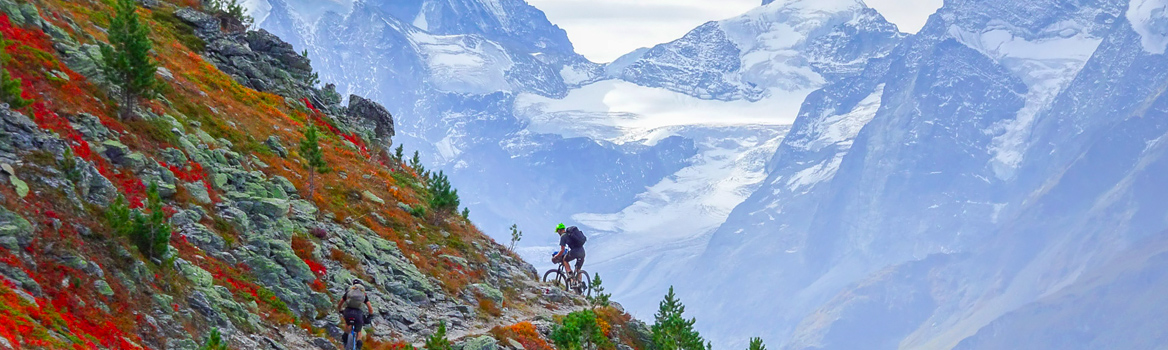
583	287
354	330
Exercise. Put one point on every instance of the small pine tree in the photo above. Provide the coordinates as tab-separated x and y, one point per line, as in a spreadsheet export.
310	150
416	164
118	217
598	298
672	331
127	62
10	90
516	235
756	344
438	340
399	153
442	196
466	213
151	233
214	341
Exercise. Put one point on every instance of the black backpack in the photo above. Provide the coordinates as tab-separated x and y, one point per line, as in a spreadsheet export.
577	235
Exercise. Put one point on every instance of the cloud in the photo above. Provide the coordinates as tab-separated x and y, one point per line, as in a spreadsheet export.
603	30
909	15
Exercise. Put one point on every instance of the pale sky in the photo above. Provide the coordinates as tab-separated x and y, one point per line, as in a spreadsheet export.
603	30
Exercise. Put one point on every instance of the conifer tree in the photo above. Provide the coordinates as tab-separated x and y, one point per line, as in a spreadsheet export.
672	331
214	341
10	91
599	297
118	217
438	340
311	152
398	154
151	232
127	62
416	163
442	195
756	344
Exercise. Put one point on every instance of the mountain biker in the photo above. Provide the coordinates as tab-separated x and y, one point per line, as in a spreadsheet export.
570	237
351	313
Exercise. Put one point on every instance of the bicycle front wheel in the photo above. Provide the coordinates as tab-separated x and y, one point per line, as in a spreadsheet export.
556	277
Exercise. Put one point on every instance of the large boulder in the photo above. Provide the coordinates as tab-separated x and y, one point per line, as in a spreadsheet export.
370	118
15	232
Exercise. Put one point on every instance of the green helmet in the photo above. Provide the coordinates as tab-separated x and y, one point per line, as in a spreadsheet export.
560	227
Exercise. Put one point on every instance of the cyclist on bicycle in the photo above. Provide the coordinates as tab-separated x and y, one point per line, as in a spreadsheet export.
351	313
570	237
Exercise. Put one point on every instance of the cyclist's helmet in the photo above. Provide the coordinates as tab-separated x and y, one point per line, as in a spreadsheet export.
560	227
356	281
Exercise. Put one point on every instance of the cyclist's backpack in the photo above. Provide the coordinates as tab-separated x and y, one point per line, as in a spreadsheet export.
578	235
354	298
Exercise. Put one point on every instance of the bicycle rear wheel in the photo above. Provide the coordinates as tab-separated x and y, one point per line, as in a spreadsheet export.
351	343
585	286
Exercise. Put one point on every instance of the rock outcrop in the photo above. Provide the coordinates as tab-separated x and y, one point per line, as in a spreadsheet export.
370	118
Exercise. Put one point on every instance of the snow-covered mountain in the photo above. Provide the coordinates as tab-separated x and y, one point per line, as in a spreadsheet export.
531	131
1000	155
756	69
803	172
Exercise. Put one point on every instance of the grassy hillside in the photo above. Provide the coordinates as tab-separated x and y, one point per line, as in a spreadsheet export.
252	254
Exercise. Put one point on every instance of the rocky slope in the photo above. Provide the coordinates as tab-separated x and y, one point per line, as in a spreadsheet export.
252	254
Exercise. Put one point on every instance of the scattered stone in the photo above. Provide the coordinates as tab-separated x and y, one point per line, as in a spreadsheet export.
195	274
323	344
136	161
198	192
103	288
20	185
114	150
515	344
273	208
181	344
481	343
489	292
372	197
165	73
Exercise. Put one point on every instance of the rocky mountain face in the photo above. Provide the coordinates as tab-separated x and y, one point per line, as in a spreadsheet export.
252	254
451	73
982	172
789	46
773	57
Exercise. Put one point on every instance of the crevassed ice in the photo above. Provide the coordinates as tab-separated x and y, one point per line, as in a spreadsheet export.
1149	18
464	63
771	37
1046	64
